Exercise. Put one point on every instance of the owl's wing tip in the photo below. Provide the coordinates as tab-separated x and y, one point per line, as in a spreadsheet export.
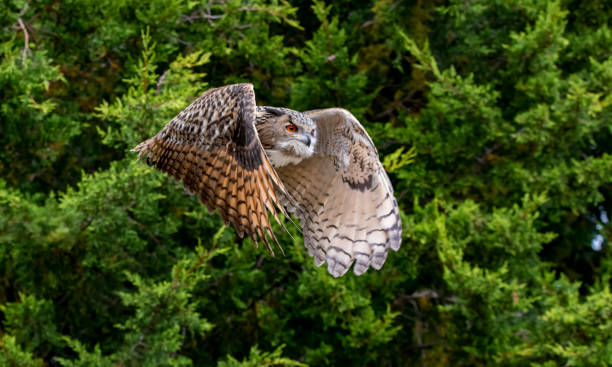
359	269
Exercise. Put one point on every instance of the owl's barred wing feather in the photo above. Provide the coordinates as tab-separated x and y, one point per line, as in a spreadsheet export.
213	147
344	197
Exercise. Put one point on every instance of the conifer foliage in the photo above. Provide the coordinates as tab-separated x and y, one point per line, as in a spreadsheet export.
493	119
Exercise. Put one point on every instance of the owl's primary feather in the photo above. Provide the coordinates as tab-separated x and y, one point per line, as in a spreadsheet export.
224	148
213	147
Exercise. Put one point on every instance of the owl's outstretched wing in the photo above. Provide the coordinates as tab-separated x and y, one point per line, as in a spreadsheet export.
344	197
213	147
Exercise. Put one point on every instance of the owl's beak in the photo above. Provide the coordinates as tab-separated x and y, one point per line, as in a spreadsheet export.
307	141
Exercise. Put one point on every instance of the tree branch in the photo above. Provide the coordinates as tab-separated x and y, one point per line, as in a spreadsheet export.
26	47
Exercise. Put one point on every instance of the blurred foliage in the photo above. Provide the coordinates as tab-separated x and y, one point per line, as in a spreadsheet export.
493	118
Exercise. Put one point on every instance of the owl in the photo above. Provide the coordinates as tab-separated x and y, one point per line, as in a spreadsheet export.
249	161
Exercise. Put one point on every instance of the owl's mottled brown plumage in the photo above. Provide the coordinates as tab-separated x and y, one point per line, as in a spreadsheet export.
213	147
326	172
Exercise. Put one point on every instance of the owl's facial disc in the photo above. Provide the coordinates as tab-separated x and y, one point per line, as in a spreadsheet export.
292	146
288	136
300	140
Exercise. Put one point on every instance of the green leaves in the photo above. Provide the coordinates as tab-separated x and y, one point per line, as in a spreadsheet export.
34	133
338	82
259	358
152	99
493	119
31	322
163	312
11	354
398	159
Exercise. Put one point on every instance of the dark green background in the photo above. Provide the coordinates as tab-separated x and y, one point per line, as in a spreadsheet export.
493	119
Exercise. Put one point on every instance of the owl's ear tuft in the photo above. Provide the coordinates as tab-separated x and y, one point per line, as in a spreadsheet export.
274	111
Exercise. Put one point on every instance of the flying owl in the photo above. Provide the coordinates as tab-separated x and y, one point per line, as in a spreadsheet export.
246	160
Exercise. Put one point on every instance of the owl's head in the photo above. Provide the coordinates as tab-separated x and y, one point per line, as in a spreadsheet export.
287	136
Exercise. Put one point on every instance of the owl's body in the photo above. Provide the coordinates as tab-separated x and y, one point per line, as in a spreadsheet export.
321	166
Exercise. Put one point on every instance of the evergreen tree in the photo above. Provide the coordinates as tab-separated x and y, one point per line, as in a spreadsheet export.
493	119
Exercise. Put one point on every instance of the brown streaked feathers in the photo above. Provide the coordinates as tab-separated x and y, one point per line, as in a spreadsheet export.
213	147
337	188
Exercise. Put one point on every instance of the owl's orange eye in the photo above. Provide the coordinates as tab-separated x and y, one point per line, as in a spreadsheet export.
291	128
